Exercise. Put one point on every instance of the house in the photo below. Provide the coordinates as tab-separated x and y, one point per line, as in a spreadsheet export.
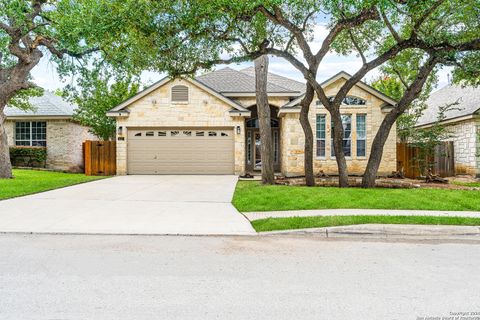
209	125
49	124
463	122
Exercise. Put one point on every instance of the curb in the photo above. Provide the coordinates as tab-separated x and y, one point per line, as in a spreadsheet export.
388	231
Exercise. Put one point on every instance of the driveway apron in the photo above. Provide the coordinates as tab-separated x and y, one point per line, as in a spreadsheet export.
187	205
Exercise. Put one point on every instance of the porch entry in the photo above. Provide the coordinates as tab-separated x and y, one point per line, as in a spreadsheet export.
253	143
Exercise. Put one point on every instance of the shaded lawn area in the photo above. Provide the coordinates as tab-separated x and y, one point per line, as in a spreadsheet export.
252	196
34	181
272	224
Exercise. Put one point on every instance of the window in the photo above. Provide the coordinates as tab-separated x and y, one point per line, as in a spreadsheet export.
212	134
187	133
275	147
249	147
349	101
32	133
162	133
149	134
321	134
254	123
347	136
200	134
361	135
179	93
138	134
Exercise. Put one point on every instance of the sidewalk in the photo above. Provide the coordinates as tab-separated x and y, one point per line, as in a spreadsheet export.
357	212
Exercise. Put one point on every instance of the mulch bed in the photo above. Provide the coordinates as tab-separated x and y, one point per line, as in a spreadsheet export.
380	183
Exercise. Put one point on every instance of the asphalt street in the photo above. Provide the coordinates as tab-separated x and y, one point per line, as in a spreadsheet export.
236	277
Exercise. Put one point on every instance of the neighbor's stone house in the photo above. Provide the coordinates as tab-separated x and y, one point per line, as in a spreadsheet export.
462	121
209	125
49	124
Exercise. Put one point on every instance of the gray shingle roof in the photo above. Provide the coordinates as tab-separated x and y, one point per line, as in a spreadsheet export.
278	80
228	80
468	99
49	104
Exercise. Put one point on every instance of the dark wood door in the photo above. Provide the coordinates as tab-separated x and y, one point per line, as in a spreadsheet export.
253	149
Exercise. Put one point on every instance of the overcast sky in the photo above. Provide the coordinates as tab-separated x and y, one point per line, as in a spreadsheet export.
45	74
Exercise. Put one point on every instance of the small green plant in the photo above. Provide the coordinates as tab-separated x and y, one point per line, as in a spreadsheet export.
28	156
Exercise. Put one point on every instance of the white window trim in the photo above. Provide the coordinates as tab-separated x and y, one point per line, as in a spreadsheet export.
31	134
356	137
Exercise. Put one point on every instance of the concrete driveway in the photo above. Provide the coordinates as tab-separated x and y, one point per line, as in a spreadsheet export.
197	205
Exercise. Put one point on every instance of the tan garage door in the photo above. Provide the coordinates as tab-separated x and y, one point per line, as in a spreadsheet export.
180	151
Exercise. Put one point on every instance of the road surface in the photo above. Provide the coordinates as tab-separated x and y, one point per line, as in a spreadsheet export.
153	277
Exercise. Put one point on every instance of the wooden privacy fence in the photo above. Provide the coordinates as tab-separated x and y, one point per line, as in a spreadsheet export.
100	158
442	162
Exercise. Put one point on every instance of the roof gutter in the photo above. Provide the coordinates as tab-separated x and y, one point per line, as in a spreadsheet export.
449	121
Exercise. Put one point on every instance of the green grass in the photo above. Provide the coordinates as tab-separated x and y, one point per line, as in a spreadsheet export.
467	184
252	196
272	224
33	181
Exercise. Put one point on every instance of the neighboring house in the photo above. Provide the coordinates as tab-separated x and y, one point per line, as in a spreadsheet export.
49	124
462	120
209	125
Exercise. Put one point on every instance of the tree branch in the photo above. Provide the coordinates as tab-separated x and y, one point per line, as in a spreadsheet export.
392	30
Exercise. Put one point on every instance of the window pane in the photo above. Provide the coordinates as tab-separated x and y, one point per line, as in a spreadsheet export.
347	128
320	148
361	126
361	150
321	126
22	134
361	135
321	135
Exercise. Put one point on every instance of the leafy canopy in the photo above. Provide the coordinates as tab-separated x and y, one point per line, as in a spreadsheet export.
96	92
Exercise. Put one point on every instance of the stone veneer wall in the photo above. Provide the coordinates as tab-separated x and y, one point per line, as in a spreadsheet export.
293	139
478	148
466	146
202	110
64	143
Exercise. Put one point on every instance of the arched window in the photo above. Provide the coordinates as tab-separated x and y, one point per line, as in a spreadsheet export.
253	123
348	101
179	93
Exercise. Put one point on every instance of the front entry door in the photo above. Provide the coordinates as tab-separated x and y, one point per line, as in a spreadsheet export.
257	152
254	150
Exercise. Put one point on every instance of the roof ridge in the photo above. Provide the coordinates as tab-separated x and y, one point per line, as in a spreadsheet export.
273	84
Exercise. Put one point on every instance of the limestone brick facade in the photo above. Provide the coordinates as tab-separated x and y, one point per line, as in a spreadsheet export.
64	142
293	139
205	109
202	110
465	136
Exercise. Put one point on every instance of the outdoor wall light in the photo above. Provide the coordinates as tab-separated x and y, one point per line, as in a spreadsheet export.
120	130
238	130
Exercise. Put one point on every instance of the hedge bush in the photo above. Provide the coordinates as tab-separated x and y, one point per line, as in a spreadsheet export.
28	156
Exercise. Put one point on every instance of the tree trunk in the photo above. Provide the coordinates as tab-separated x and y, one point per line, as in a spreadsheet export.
412	92
338	133
5	165
370	174
307	130
263	108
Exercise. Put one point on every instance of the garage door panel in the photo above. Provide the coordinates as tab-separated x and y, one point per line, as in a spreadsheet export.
180	151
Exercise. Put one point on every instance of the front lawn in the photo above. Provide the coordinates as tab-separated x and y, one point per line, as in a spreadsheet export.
272	224
252	196
33	181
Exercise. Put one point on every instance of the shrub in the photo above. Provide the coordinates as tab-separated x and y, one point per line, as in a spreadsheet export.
28	156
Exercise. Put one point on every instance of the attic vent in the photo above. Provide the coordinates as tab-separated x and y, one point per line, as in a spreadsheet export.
180	94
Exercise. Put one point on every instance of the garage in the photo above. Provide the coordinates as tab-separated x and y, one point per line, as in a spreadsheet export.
180	151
